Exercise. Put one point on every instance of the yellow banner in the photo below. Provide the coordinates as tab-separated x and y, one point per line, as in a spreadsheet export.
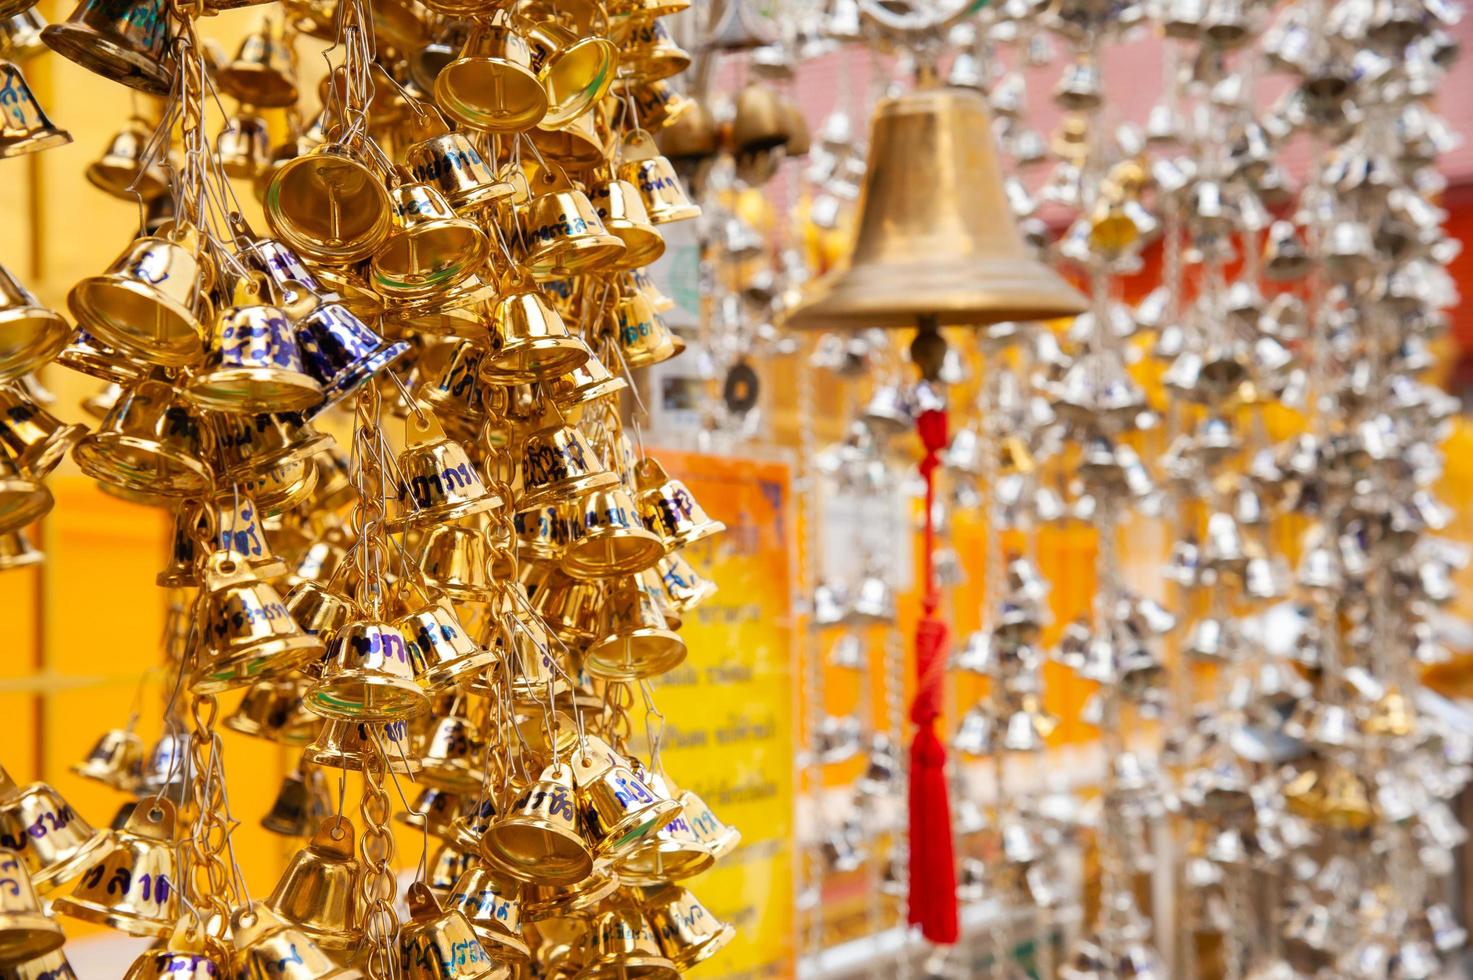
729	733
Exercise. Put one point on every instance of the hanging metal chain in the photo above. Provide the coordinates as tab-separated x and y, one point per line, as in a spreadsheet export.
367	475
207	882
377	887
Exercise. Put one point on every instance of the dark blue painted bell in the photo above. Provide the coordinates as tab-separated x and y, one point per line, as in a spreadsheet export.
341	352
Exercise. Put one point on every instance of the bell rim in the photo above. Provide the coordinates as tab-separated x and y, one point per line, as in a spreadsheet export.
32	500
713	945
647	822
502	941
585	97
670	653
586	251
113	175
291	391
412	703
653	966
92	362
210	679
450	674
187	347
582	569
35	143
571	900
477	195
80	44
29	927
59	873
672	213
708	529
642	245
536	871
234	78
572	487
702	858
290	231
565	354
43	457
352	761
297	452
92	454
49	336
518	121
133	925
242	725
472	252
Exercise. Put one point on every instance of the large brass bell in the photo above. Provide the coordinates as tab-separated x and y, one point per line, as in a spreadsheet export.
34	439
688	933
368	676
654	177
253	365
452	560
134	886
491	86
24	127
930	242
452	163
668	508
431	249
575	71
25	931
328	206
620	944
249	634
441	945
443	654
30	334
563	232
318	891
529	341
123	40
606	537
50	838
651	54
439	483
151	301
616	808
268	947
492	905
263	72
538	838
634	638
622	210
150	441
558	462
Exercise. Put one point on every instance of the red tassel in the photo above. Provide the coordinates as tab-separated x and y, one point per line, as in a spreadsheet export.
932	856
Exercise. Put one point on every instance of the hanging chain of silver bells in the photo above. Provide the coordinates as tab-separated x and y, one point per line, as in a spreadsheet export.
475	592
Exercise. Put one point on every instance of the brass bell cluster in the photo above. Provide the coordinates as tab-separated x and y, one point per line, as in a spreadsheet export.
472	588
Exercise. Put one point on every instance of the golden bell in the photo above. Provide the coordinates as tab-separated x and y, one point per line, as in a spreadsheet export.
126	42
150	441
635	640
529	342
431	249
541	535
34	439
20	34
758	125
50	838
441	945
122	171
268	947
568	607
470	825
562	231
116	760
22	499
622	944
606	537
183	956
272	710
256	445
622	211
452	560
578	145
248	634
558	463
451	759
669	509
439	648
446	866
452	163
438	482
134	886
328	206
616	809
253	365
150	302
30	334
721	838
24	127
688	934
685	588
50	966
585	384
642	335
455	391
237	527
25	930
537	840
541	901
368	676
492	906
87	355
674	853
652	175
649	53
434	811
657	108
929	240
492	86
16	551
318	891
576	71
263	72
302	801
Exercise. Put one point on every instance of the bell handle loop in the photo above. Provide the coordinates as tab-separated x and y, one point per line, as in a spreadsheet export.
637	145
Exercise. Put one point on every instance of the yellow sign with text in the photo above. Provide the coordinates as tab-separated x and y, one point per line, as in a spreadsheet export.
728	710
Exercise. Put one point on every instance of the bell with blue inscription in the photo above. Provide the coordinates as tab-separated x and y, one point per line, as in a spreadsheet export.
654	177
134	886
561	231
606	536
669	509
622	209
443	653
368	676
341	352
24	127
34	439
492	86
558	463
641	336
622	944
492	905
124	41
635	640
452	755
253	365
538	838
529	341
151	302
650	54
348	744
49	966
268	947
687	932
151	441
446	866
675	852
249	634
431	249
329	206
183	956
451	162
721	838
25	930
30	334
441	945
318	890
685	588
438	483
52	840
253	446
616	809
